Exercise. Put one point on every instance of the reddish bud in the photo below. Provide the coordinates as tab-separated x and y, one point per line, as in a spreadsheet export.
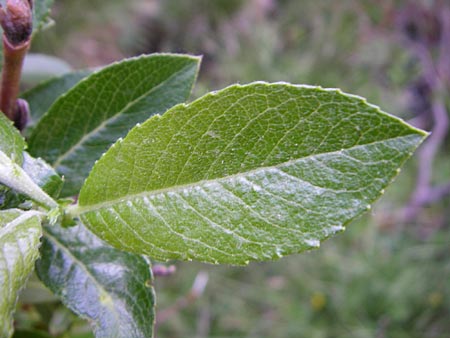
16	19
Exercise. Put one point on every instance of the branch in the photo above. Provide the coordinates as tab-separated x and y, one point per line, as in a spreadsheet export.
437	75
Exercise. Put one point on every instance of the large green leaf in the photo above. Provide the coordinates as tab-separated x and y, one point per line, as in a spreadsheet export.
110	288
12	143
82	124
251	172
19	241
41	97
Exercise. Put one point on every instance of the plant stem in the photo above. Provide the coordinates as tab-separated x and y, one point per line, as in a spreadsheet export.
16	19
12	71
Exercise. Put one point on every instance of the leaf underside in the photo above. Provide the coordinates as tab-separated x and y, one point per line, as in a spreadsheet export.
82	124
19	241
110	288
248	173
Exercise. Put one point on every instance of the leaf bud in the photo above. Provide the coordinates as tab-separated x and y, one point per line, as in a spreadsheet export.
16	19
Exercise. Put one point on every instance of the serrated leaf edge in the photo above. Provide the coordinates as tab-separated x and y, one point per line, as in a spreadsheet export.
87	136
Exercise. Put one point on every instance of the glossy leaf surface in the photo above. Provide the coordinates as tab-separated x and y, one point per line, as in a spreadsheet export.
19	242
82	124
248	173
41	97
110	288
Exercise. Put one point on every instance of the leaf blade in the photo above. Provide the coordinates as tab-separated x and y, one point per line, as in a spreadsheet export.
82	124
14	177
248	173
41	97
19	239
108	287
12	143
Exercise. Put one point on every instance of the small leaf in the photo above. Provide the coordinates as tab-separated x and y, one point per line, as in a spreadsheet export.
248	173
19	241
43	175
82	124
40	173
12	143
14	177
110	288
41	97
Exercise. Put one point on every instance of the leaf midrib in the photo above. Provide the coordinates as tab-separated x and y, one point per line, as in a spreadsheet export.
78	210
82	265
102	125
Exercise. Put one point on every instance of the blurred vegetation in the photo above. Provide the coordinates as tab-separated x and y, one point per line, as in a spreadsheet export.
383	277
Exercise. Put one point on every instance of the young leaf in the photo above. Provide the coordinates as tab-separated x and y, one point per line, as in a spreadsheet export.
39	173
248	173
43	175
82	124
19	241
14	177
12	143
11	158
41	97
110	288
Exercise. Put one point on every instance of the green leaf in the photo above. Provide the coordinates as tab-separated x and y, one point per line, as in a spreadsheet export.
14	177
40	173
41	97
19	241
12	143
43	175
82	124
12	146
110	288
9	199
11	173
248	173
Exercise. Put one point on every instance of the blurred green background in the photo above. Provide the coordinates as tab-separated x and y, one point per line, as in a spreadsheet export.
387	275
